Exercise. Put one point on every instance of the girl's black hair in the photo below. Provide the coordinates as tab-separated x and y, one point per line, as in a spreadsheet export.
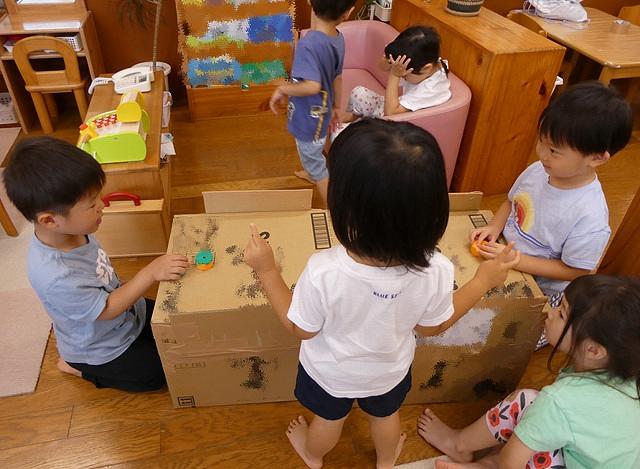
606	309
590	118
388	192
421	44
49	174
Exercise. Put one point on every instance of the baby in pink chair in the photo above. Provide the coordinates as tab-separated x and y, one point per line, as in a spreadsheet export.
414	62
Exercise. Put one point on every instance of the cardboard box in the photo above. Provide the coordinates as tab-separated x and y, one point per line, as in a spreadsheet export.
486	352
220	342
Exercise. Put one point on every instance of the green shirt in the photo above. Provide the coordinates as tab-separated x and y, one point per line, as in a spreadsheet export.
596	425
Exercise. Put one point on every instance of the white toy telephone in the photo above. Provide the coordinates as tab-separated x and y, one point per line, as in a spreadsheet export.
134	78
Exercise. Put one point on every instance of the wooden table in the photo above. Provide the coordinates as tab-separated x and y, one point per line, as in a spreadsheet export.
8	137
148	178
618	53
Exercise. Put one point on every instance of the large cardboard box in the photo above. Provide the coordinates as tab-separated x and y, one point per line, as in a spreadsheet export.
220	342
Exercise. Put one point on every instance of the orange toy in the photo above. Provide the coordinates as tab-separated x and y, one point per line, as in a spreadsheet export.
474	247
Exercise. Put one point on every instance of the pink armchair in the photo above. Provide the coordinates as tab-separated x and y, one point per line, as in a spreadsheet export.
365	42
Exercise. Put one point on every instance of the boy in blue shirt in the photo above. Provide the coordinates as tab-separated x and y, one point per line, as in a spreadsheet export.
102	326
315	88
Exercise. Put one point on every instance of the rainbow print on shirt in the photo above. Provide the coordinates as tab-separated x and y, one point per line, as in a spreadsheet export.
524	212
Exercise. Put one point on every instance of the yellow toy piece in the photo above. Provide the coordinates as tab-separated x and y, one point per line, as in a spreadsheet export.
130	107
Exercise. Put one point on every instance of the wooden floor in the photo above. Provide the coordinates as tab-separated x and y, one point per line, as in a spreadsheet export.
67	423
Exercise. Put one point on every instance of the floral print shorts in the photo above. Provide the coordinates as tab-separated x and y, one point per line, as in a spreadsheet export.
505	416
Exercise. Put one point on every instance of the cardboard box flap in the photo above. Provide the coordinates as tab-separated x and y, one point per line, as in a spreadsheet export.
464	201
257	201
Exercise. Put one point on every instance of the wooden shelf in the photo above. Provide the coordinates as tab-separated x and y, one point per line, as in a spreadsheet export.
37	20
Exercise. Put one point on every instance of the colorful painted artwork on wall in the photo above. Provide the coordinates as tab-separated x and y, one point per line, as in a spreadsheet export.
235	42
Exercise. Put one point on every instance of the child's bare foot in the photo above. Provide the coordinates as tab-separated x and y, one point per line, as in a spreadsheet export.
297	434
66	368
435	432
403	437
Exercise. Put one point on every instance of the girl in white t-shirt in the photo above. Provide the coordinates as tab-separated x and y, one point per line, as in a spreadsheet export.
356	305
414	64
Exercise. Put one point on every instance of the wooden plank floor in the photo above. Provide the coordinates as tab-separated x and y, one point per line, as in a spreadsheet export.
67	423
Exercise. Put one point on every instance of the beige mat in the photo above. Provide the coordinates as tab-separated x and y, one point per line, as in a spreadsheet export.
423	464
24	325
24	330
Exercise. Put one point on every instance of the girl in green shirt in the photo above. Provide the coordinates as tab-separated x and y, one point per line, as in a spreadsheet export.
590	416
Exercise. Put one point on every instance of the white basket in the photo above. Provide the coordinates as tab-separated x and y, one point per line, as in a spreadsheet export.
381	12
74	41
7	114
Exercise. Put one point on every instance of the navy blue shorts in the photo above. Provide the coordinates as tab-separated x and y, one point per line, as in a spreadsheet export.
320	402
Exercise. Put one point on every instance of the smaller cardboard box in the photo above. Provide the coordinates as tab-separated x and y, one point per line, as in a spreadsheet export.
220	342
486	352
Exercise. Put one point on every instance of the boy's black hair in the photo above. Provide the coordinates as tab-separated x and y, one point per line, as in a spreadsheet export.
388	192
331	10
48	174
419	43
590	118
606	309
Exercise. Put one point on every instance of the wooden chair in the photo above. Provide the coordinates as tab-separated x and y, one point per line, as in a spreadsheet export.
525	20
632	15
42	84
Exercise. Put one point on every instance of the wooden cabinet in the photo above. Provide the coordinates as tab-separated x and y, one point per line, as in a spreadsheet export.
59	23
511	72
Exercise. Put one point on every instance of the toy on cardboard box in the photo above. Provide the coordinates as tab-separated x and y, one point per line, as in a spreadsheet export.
220	342
119	135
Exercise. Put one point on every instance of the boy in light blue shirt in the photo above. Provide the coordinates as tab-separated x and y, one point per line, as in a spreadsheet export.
102	326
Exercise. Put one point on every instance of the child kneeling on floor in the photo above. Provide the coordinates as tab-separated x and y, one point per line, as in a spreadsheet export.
102	326
590	417
356	305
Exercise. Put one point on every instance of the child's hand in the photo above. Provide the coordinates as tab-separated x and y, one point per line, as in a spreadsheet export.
494	272
400	66
258	254
277	100
336	120
486	233
167	267
489	250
